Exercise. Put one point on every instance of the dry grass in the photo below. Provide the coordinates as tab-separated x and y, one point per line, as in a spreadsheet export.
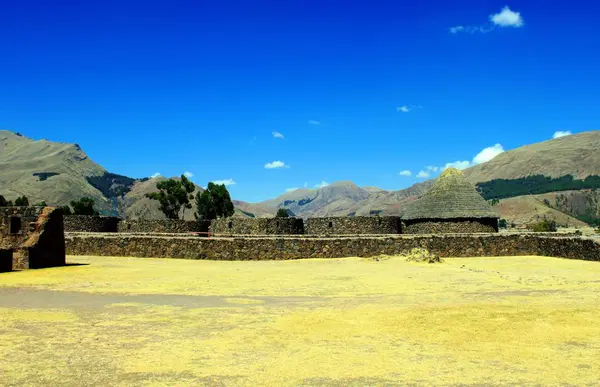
513	320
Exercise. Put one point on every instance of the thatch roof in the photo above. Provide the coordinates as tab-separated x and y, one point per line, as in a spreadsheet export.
451	196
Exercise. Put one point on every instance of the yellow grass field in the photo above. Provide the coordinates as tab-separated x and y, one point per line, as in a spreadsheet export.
342	322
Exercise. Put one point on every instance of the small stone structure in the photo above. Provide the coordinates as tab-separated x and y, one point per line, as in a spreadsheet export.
163	226
85	223
298	247
34	236
257	226
451	205
354	225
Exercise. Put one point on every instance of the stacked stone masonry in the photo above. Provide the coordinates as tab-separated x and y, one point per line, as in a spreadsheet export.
257	226
354	225
281	248
34	236
75	223
450	226
162	226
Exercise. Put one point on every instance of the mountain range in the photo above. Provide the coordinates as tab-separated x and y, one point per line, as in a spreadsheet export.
59	172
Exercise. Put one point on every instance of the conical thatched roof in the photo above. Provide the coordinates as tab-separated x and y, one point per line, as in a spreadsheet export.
451	196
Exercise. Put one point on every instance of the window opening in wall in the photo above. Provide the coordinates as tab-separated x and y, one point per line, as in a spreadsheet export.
330	224
230	225
129	227
277	223
15	224
379	221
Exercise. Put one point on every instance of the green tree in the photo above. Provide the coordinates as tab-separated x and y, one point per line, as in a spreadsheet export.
215	202
3	201
42	204
282	213
502	223
22	201
84	206
174	196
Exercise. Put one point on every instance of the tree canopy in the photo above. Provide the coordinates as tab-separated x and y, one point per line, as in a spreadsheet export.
22	201
174	196
215	202
282	213
3	201
83	206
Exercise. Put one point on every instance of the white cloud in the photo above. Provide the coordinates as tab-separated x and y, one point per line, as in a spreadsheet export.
278	135
276	164
224	182
504	18
314	122
488	153
155	175
188	174
291	189
408	108
507	18
432	168
406	172
423	174
561	133
458	165
485	155
322	184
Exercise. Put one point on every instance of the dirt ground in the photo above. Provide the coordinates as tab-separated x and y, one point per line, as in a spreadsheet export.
343	322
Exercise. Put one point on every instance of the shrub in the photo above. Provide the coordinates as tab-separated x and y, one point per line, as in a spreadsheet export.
503	223
544	226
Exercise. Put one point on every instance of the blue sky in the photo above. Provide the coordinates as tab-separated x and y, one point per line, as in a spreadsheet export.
360	91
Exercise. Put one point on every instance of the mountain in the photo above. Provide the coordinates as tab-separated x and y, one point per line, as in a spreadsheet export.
58	173
44	170
577	155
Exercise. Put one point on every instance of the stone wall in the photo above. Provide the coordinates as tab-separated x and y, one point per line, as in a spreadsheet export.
450	226
354	225
279	248
85	223
257	226
35	236
163	226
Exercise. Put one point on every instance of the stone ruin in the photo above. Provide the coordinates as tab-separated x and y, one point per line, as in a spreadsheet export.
31	238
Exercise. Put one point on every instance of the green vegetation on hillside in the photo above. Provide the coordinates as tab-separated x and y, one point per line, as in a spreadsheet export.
215	202
111	185
45	175
536	184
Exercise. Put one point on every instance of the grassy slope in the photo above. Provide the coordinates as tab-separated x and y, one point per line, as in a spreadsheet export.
20	157
337	322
